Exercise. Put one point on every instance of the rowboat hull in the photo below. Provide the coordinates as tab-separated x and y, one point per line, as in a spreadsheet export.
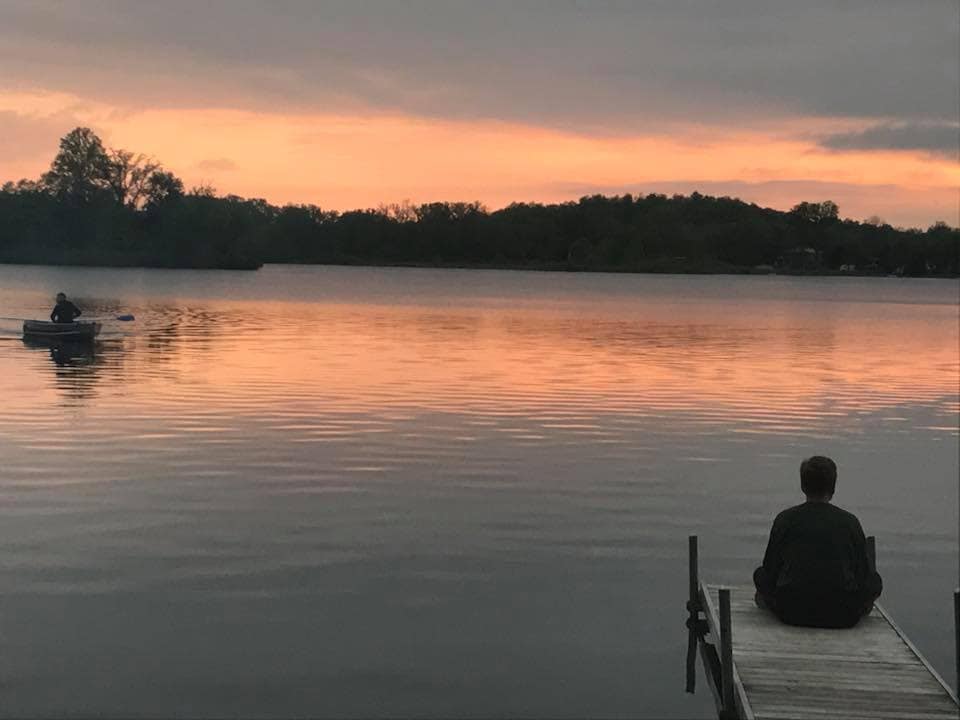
76	331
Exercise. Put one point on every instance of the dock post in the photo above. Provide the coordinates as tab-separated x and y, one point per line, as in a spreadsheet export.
956	632
726	655
693	615
693	603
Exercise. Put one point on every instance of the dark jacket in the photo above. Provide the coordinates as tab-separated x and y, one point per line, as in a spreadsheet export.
816	568
65	312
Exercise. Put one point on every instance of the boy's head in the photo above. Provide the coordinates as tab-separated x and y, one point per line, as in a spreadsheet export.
818	477
61	297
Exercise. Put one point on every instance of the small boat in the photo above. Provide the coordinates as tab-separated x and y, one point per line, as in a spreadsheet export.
76	331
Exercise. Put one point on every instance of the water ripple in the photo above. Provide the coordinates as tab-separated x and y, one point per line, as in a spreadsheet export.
324	460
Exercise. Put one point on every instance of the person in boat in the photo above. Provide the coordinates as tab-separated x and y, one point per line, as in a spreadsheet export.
64	311
816	571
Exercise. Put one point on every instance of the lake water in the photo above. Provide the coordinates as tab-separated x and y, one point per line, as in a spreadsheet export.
380	492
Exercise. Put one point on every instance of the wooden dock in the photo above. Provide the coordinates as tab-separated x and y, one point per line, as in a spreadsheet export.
762	668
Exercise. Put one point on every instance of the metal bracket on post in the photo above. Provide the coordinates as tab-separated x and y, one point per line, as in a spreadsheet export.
726	655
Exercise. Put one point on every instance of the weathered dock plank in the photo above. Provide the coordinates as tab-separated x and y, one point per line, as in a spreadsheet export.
869	671
758	667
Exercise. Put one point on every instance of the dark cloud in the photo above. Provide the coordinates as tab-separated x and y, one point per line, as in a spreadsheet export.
617	66
941	139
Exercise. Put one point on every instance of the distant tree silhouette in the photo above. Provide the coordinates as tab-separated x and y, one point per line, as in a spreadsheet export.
159	188
114	207
21	186
128	176
81	169
203	190
816	212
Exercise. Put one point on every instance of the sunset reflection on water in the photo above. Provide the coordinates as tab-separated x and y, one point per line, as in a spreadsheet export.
478	483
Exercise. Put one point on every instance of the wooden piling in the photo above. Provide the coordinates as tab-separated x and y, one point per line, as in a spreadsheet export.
726	654
694	572
956	632
693	614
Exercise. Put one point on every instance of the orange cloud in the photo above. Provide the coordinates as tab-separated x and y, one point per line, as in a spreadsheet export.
349	161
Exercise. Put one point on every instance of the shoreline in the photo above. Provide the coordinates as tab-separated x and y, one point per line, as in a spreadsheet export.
653	269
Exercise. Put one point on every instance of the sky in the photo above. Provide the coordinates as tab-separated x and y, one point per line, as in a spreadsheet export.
358	103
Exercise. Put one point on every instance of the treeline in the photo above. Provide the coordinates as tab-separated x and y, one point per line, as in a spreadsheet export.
98	206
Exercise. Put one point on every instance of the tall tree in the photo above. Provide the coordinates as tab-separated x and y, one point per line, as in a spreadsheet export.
81	168
128	176
816	212
160	187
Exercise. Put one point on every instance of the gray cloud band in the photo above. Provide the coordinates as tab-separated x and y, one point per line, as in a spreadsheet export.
942	139
618	66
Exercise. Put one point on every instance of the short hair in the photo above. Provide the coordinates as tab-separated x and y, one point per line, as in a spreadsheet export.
818	476
62	295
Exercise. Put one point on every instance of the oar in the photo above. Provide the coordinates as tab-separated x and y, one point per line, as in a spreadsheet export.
122	318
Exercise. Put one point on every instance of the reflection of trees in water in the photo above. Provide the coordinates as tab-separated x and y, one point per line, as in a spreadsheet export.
661	341
76	365
409	325
168	326
148	349
164	333
655	339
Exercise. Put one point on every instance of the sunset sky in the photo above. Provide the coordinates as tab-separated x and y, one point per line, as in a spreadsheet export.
353	104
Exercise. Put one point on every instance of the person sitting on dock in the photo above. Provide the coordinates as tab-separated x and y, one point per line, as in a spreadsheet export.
816	571
64	311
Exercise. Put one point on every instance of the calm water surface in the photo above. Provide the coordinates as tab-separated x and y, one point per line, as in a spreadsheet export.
346	491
